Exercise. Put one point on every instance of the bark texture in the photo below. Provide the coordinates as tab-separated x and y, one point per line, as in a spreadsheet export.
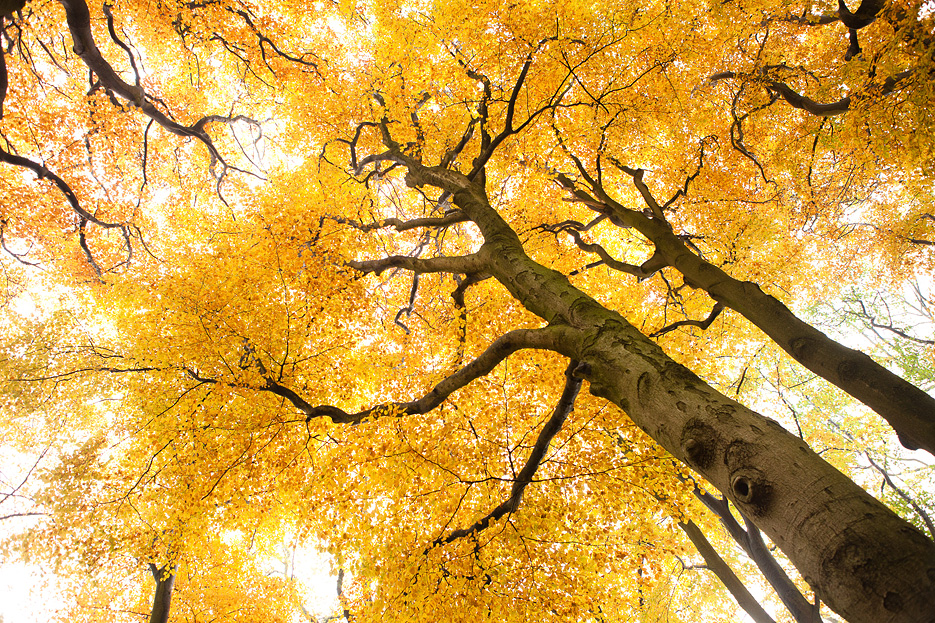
864	561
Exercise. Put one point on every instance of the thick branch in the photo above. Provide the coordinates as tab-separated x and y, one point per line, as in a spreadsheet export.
460	264
789	594
450	218
865	14
547	338
831	109
908	409
637	175
79	25
750	540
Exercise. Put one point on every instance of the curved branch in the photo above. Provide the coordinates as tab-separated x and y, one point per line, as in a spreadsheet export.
458	298
546	338
830	109
643	271
79	25
865	14
266	41
865	316
19	257
84	217
637	175
905	497
106	8
414	290
701	324
42	172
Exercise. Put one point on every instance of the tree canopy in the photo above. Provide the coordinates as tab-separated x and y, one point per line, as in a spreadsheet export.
482	300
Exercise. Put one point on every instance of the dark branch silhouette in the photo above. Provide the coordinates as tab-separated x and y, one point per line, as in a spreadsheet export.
566	404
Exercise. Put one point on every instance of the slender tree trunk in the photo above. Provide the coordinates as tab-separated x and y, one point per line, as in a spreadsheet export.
725	574
165	579
752	543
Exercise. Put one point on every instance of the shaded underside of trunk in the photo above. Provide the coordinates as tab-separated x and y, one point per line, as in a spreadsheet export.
863	560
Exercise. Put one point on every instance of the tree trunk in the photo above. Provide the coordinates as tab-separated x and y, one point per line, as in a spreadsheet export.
908	409
162	600
725	574
864	561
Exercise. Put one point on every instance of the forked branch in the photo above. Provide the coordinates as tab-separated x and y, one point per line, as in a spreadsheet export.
802	102
725	574
79	25
643	271
908	409
701	324
751	541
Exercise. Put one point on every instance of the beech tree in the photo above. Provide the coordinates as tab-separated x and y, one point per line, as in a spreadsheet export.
463	294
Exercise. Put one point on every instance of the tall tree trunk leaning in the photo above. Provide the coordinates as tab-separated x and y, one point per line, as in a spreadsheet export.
864	561
722	570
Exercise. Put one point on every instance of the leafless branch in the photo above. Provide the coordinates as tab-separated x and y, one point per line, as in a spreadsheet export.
905	496
809	105
462	264
724	573
449	218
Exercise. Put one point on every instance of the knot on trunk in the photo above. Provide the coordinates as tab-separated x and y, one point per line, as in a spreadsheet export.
751	490
700	442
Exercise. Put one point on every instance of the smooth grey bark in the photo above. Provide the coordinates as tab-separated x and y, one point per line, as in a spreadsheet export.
864	561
